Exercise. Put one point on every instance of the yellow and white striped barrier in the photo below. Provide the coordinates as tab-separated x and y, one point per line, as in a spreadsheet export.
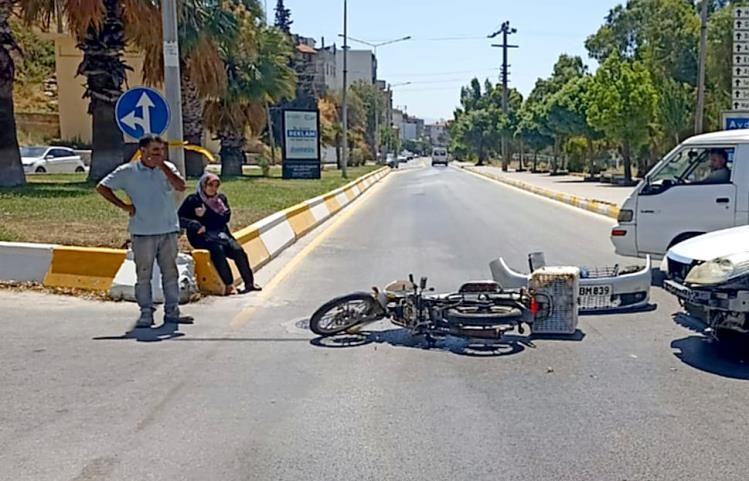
593	205
267	238
90	268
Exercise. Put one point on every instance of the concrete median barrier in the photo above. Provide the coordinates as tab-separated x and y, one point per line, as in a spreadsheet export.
85	268
24	262
90	268
267	238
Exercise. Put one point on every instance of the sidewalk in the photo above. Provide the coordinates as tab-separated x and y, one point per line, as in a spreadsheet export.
601	198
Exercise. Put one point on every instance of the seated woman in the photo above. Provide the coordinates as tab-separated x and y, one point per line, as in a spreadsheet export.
205	215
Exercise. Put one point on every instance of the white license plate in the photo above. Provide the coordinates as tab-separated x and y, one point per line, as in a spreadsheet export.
596	292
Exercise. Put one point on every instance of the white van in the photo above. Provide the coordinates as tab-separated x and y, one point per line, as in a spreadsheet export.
682	197
439	156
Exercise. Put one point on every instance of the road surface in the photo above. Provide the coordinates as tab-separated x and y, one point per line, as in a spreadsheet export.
244	395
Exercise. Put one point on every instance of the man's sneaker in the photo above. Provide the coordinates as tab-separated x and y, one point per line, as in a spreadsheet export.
145	321
177	319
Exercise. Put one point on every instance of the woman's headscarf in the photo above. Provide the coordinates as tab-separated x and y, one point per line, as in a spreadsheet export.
214	203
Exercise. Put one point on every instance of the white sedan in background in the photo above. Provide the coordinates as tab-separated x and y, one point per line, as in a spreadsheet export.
50	159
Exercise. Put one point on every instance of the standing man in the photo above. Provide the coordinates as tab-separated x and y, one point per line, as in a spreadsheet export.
154	225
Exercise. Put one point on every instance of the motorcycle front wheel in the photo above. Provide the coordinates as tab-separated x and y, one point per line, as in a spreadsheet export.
342	313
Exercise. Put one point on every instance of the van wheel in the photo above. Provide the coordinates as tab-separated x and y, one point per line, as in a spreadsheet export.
80	169
682	237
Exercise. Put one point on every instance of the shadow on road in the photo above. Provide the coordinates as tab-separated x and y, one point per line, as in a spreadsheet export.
619	311
164	332
510	344
725	359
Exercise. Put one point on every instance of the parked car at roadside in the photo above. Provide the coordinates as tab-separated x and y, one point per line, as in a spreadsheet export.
50	159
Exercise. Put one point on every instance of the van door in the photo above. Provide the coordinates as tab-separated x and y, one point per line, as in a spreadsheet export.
689	193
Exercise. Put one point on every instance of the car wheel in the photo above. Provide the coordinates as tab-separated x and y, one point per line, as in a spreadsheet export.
40	170
80	169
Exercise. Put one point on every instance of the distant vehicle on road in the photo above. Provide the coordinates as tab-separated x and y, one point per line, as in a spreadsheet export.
402	158
51	159
391	161
700	186
439	156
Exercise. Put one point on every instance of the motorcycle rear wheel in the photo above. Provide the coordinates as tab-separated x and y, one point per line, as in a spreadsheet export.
342	313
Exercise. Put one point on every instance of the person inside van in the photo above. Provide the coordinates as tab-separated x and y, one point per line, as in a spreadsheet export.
719	171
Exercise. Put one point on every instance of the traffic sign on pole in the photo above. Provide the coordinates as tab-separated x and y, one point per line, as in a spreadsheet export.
142	111
735	120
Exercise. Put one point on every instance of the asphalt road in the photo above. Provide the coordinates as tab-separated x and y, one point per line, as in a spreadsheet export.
244	395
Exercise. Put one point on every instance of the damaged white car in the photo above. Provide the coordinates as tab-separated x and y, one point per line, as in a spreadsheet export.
709	274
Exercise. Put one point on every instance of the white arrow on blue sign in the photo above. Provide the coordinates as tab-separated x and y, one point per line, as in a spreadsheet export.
142	111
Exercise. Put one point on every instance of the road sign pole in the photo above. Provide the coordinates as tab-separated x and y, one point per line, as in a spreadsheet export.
172	86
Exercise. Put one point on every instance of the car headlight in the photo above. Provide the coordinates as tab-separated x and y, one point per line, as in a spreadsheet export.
625	215
720	270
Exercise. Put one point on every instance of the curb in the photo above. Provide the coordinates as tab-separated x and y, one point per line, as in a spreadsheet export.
602	207
91	268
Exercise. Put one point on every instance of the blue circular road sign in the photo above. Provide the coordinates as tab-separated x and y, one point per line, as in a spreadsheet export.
142	111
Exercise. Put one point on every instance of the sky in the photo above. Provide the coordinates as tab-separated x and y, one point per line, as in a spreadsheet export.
449	45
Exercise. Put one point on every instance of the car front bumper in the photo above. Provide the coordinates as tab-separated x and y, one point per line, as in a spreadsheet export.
711	298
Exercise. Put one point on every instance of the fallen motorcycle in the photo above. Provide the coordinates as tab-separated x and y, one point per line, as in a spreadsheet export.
479	310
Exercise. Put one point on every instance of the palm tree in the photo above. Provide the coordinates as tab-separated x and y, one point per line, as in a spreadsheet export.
256	65
101	28
11	170
202	26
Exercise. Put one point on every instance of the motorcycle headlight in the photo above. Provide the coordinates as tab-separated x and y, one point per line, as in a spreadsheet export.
720	270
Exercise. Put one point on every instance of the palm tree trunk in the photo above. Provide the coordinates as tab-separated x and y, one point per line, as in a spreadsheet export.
232	152
105	73
192	122
11	170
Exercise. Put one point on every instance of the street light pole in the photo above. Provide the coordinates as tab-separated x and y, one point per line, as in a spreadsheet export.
172	85
344	107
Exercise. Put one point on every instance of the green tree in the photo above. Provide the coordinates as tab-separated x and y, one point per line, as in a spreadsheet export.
476	133
622	103
203	27
374	109
11	169
101	28
283	18
567	114
532	130
257	72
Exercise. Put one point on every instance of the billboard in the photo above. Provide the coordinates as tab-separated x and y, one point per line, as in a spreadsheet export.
301	144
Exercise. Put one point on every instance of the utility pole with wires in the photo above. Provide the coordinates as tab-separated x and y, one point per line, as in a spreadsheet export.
344	106
505	30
